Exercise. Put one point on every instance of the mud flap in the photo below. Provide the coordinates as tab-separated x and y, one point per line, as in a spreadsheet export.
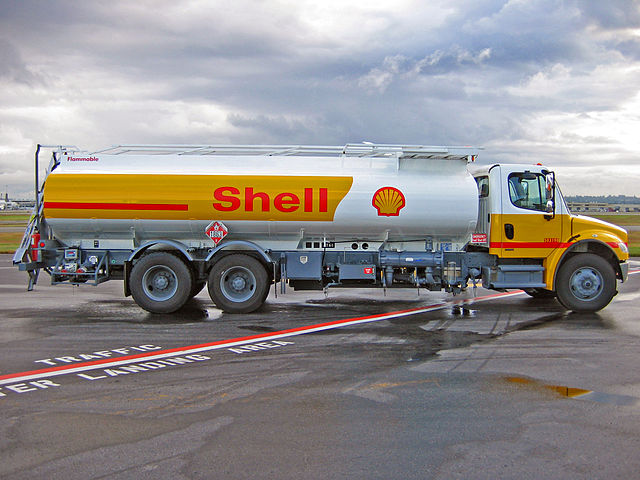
127	272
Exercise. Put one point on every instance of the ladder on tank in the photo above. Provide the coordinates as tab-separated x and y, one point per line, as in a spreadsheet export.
20	255
23	256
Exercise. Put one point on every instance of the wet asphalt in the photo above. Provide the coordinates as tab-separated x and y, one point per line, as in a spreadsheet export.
310	386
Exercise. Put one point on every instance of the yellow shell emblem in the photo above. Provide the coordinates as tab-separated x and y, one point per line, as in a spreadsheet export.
388	201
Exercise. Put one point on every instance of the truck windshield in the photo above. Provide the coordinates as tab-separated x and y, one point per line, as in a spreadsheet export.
529	190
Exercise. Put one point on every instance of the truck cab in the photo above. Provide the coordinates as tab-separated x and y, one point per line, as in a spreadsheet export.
540	245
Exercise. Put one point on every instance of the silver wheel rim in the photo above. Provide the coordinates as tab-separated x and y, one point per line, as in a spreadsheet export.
586	283
160	283
237	284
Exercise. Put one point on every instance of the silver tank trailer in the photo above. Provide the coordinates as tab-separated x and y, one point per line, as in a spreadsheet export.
103	197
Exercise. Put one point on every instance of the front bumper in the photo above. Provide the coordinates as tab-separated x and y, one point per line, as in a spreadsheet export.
624	270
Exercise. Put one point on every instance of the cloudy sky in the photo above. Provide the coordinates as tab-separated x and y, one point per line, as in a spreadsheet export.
552	81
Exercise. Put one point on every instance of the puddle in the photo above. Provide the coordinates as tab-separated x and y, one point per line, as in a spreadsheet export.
577	393
257	328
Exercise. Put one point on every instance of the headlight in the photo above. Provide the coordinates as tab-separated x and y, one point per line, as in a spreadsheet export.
623	247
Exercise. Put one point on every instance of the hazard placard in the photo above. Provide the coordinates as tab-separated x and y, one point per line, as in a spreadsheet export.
216	231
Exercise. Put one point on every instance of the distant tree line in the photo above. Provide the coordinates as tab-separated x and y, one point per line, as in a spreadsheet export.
621	199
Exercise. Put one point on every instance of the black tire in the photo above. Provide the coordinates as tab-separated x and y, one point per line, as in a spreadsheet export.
238	284
540	293
160	282
586	283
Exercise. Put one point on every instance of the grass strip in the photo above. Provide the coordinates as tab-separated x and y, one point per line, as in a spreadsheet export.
634	244
9	241
621	220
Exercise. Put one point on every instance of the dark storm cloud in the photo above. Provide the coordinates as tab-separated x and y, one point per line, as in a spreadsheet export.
613	14
12	67
534	74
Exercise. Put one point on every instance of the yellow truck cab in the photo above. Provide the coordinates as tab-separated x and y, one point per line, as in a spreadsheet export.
540	245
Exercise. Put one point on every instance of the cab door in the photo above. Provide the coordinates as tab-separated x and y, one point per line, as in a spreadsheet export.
528	225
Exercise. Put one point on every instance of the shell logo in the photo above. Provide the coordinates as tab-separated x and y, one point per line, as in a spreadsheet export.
388	201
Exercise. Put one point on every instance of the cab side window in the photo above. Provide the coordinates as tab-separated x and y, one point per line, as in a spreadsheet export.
529	191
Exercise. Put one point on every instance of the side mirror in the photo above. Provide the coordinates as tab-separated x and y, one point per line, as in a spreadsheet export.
550	181
550	206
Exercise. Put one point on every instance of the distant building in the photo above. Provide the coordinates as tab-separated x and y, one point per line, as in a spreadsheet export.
582	207
6	204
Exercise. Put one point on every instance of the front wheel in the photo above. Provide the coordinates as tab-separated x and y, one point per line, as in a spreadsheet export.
586	283
160	282
238	284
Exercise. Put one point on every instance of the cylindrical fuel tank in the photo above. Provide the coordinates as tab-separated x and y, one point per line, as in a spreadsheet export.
274	201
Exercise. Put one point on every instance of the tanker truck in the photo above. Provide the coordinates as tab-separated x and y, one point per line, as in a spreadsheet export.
169	220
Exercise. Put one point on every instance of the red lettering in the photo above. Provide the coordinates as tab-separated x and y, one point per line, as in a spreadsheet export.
229	203
323	200
286	202
229	199
308	199
249	197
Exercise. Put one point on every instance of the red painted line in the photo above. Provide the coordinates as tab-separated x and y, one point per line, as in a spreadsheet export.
118	206
203	347
530	245
539	244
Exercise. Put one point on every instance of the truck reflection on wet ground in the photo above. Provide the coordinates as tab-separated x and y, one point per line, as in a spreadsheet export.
455	325
413	338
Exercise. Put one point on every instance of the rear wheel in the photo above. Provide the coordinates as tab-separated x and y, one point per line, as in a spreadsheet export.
586	283
160	282
238	284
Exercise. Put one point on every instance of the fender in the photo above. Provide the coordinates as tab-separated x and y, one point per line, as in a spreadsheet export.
171	243
602	244
243	243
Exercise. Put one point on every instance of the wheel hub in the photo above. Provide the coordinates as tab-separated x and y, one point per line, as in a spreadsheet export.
160	282
238	283
586	283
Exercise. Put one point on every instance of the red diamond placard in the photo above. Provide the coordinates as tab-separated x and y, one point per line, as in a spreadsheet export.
216	231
